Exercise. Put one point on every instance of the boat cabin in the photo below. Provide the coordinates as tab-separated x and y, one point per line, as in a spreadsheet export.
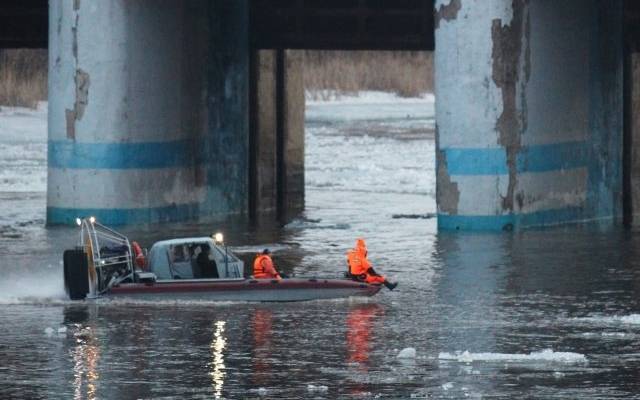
193	258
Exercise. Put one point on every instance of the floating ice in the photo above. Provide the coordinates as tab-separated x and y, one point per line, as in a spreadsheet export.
260	391
48	331
319	388
547	355
62	330
631	319
408	352
447	386
615	334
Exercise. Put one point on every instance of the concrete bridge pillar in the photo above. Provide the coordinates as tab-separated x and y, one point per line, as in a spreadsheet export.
277	133
147	110
529	112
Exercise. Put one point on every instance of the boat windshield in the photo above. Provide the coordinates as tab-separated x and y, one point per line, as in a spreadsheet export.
184	261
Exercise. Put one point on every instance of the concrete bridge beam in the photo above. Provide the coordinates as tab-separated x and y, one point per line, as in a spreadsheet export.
529	112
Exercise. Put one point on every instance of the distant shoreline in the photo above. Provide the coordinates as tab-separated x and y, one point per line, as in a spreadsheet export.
328	75
405	73
324	96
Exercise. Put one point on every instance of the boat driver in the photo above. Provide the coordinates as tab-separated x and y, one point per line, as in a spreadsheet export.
263	267
206	265
360	267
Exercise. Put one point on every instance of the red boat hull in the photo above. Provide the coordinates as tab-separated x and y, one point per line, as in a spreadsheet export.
295	289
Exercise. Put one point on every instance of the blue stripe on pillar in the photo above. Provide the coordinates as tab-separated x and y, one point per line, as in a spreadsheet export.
510	221
124	216
79	155
540	158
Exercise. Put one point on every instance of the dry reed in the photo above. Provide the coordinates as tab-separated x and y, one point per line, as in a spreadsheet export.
23	77
23	73
406	73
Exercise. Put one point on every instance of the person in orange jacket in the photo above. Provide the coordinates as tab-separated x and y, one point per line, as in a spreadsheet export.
360	267
263	267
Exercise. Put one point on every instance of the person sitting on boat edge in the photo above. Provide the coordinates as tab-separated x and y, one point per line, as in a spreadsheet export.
360	267
263	267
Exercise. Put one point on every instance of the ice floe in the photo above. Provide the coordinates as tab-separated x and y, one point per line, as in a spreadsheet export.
546	355
447	386
317	388
631	319
259	391
606	335
408	352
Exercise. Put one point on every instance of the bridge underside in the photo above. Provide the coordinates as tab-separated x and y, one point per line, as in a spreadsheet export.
169	110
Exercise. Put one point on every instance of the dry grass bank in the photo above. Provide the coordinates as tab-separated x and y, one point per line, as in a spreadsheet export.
23	77
406	73
23	73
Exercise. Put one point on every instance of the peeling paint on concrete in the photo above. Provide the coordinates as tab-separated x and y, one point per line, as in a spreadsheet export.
529	111
80	101
447	12
506	52
70	117
447	192
82	82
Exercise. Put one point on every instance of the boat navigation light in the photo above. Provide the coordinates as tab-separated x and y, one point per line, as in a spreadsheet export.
218	238
92	219
78	221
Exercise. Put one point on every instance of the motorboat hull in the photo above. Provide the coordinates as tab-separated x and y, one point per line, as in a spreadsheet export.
258	290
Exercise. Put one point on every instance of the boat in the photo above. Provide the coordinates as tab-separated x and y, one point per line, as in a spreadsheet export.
106	264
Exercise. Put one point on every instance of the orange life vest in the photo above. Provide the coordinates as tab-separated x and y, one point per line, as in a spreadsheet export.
360	266
358	263
138	255
263	267
357	259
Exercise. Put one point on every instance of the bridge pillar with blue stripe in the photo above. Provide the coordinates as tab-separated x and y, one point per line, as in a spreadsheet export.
529	112
147	110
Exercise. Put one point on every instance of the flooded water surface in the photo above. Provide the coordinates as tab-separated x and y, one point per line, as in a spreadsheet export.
550	313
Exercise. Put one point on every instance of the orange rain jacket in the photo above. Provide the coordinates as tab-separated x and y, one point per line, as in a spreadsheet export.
360	266
263	268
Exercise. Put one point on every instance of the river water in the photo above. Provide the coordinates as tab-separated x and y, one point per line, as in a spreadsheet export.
549	313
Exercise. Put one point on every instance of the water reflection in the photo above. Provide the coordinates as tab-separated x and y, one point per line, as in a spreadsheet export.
261	325
86	355
218	372
472	278
361	324
360	321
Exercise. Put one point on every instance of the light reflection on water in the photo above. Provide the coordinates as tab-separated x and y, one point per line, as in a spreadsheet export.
86	356
218	372
505	293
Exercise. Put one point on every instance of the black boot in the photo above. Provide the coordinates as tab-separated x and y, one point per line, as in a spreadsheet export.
390	285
